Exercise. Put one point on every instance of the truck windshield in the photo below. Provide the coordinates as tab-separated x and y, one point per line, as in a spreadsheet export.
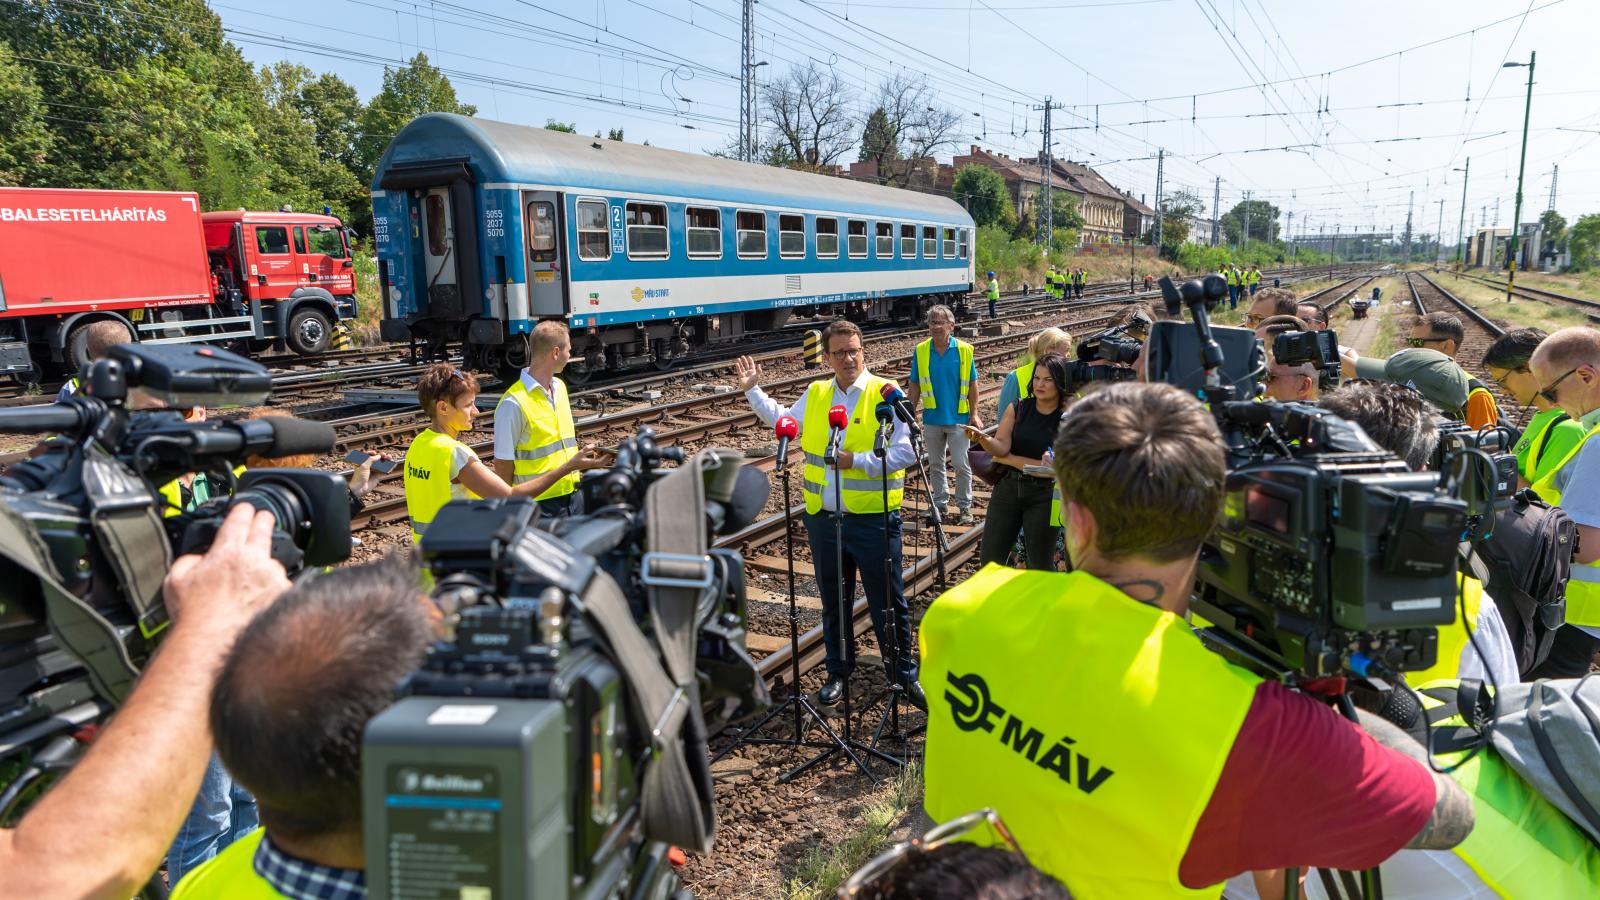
327	241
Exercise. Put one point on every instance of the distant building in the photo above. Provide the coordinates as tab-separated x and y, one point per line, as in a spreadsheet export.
1138	220
1202	231
1486	247
1100	205
1022	177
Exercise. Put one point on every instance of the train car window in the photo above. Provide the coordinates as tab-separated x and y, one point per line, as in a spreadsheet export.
828	238
752	234
594	239
704	227
792	236
647	230
885	240
857	239
433	208
949	243
327	242
299	239
930	242
964	236
272	240
541	231
908	242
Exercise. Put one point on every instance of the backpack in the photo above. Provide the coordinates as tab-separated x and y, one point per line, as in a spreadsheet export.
1524	566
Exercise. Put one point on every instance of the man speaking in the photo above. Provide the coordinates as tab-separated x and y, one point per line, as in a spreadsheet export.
848	494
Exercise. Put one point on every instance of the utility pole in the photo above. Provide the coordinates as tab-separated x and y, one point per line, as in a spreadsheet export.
1216	214
1438	236
747	84
1244	239
1554	171
1046	199
1461	229
1160	159
1294	249
1522	165
1410	199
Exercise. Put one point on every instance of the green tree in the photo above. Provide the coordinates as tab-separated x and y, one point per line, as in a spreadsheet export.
564	127
1583	241
1263	221
879	141
1064	211
1177	211
1554	226
311	152
614	134
408	92
983	192
24	135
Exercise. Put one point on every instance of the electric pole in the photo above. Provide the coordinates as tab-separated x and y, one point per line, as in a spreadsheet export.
1046	199
1244	240
1216	214
1160	159
1461	229
1522	165
747	84
1410	199
1438	235
1294	249
1554	171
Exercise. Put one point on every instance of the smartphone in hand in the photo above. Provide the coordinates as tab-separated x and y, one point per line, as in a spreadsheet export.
378	465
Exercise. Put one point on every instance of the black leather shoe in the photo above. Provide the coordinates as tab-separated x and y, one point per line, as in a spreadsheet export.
916	697
832	692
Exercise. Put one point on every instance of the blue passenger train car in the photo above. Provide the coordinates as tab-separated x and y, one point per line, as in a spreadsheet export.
484	228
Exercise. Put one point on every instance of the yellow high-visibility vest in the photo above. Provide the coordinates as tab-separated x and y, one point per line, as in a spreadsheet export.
1024	375
428	486
993	290
861	493
230	875
1583	583
1097	731
923	376
551	439
1453	638
1520	844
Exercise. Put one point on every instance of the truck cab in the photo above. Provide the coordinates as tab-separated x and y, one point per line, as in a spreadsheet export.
296	269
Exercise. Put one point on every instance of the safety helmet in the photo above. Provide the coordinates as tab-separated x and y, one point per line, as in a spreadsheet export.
991	274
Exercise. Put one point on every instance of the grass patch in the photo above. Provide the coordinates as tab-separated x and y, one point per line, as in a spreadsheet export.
365	326
1383	340
822	869
1522	313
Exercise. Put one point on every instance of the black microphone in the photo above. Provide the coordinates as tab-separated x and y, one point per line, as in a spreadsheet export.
270	438
885	414
896	398
750	491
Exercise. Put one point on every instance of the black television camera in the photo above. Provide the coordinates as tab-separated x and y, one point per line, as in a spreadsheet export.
553	744
1109	355
86	535
1315	348
1332	558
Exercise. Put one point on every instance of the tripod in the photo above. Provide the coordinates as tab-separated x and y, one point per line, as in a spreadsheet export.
889	725
797	701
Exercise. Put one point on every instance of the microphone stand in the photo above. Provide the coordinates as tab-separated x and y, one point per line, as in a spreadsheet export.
797	701
891	633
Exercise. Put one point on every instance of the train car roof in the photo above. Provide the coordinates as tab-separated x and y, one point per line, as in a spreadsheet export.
502	153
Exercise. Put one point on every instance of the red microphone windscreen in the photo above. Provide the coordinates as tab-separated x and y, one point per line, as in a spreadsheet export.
838	418
787	427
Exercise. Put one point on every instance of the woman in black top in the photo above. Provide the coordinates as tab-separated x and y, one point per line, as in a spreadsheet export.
1021	502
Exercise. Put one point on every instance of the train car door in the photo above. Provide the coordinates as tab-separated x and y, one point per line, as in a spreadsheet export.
546	262
439	257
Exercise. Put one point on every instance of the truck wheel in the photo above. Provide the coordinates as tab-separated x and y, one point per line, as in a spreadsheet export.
76	351
310	332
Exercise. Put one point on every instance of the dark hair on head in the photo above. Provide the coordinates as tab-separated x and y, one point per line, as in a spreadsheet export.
1512	350
965	871
1147	461
838	327
1397	418
1442	325
1283	300
1318	314
303	680
442	381
1055	365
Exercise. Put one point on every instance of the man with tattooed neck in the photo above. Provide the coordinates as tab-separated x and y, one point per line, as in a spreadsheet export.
1126	758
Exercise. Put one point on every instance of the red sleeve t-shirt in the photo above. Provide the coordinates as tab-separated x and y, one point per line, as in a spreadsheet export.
1304	786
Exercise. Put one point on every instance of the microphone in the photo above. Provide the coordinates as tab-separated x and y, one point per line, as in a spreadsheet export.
838	421
896	398
885	414
786	429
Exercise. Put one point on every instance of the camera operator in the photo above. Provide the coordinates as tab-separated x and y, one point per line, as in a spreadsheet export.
1401	422
103	829
1287	383
1551	434
1127	759
291	702
857	483
1268	303
98	339
1567	368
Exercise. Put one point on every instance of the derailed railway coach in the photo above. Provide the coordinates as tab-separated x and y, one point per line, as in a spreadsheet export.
484	228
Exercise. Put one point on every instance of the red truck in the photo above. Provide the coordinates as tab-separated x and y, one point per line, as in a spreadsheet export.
152	261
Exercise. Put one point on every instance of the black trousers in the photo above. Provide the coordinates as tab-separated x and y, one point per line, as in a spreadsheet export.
1020	503
1570	655
863	538
564	505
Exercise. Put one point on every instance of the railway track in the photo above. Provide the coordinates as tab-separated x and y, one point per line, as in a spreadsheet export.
1592	307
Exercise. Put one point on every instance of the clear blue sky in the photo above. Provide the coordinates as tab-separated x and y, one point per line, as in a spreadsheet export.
1185	76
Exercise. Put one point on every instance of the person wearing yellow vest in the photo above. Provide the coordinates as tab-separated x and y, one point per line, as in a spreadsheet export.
848	495
1019	381
1128	760
1052	280
1551	433
1253	279
533	430
1566	366
440	468
1079	279
288	713
991	291
1230	272
1021	503
944	381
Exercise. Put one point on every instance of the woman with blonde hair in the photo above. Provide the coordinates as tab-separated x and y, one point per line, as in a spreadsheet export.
1019	381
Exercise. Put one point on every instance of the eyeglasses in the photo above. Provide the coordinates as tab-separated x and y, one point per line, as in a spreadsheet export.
847	353
870	876
1253	320
1420	342
1549	393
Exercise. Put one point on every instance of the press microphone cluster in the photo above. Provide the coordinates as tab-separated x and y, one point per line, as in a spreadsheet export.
896	399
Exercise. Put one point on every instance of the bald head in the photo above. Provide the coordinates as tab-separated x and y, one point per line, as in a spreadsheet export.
1566	367
1568	349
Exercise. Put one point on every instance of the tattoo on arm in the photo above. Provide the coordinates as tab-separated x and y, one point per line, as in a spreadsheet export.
1452	816
1143	590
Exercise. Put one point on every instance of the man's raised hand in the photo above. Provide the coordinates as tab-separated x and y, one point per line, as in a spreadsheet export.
749	373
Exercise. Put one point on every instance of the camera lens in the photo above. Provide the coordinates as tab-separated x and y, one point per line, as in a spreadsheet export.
287	508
